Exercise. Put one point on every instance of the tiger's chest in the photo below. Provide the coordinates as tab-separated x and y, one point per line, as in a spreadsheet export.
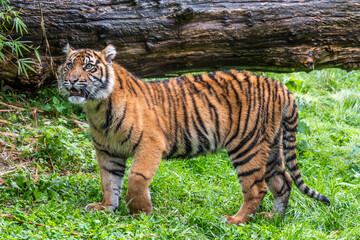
110	133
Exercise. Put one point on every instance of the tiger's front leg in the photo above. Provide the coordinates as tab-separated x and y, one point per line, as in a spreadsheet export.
142	170
112	170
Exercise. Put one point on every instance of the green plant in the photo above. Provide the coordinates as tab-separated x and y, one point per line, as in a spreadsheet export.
14	48
62	146
58	104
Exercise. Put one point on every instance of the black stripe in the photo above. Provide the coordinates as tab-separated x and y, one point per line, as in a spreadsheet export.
169	102
118	164
214	115
192	84
142	90
110	154
273	160
245	160
291	158
105	83
294	168
174	108
297	177
95	77
269	98
289	129
246	140
287	118
312	194
290	147
187	144
163	99
198	117
274	97
306	190
257	181
117	172
128	136
300	183
281	103
141	175
203	82
276	141
324	199
248	100
150	93
237	126
116	191
109	117
121	119
248	149
98	106
276	172
281	189
173	150
96	142
204	141
119	78
131	88
92	124
235	92
212	77
138	142
230	115
290	138
293	121
186	131
248	173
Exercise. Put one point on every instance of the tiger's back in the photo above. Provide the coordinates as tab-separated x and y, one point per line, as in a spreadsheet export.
254	118
207	112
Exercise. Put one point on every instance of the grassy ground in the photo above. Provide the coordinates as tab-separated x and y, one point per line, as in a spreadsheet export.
48	174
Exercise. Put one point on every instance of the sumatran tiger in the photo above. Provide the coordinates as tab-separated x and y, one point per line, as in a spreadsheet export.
254	118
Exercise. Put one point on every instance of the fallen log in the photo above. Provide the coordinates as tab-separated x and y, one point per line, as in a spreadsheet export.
158	37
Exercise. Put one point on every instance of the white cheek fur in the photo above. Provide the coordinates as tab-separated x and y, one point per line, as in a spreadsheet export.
77	99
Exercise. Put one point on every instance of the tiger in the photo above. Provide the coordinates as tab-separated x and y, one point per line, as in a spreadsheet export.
254	118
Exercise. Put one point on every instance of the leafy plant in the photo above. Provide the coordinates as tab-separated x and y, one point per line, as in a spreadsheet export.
14	48
58	104
62	146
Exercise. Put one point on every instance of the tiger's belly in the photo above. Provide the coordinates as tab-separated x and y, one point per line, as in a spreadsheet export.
194	144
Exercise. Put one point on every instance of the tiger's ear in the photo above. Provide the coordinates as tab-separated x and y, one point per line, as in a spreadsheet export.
68	49
109	53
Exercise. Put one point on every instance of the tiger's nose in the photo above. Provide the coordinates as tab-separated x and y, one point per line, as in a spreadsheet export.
73	78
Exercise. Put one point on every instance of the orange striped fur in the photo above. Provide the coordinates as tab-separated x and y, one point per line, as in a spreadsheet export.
254	118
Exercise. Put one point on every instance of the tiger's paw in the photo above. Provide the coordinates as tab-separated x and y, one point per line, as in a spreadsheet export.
232	220
266	215
96	206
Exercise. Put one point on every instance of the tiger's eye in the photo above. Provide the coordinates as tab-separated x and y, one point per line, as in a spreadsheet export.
69	65
89	66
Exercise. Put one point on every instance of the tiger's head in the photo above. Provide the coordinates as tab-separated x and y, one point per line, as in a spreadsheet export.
87	74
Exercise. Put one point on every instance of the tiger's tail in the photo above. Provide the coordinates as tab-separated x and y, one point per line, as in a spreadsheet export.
290	123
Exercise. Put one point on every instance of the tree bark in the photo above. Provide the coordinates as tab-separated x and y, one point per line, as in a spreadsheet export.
154	37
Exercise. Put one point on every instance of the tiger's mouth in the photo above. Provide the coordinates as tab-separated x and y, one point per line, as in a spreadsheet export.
76	92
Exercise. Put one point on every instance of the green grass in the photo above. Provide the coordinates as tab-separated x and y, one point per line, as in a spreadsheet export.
51	174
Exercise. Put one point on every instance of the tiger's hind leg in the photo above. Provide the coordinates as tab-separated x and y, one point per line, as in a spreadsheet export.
250	167
277	179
